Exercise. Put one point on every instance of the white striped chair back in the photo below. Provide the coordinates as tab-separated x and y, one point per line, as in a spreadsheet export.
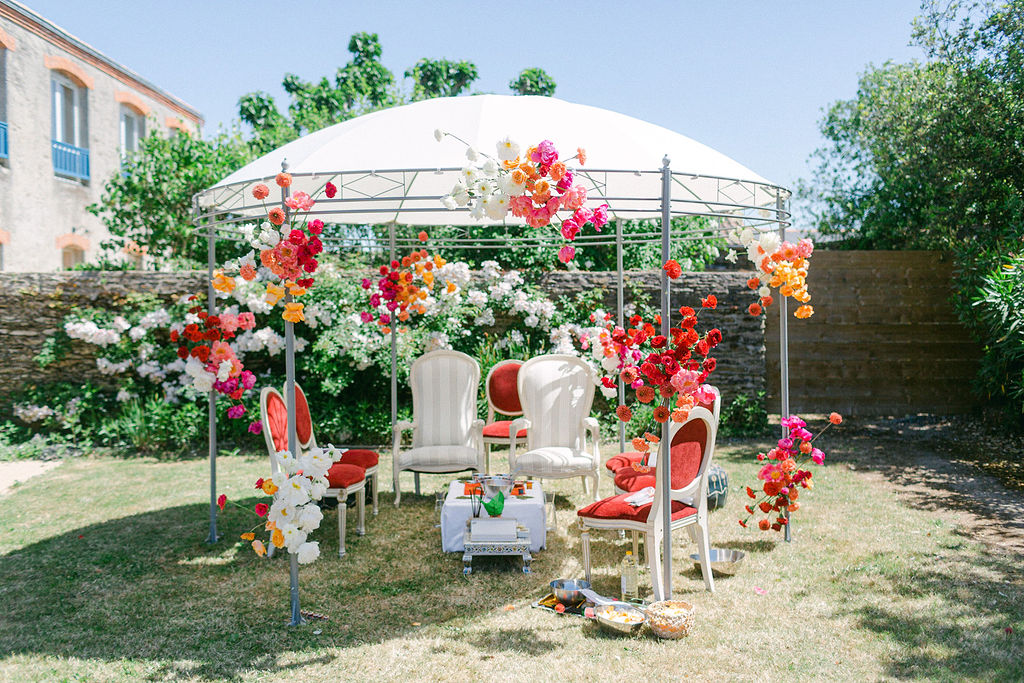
445	385
557	392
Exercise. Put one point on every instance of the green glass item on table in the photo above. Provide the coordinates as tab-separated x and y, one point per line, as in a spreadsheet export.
495	505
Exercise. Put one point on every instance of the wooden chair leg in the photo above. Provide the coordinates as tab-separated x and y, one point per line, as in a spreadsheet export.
636	547
342	495
361	507
654	564
585	541
704	548
597	480
487	458
584	480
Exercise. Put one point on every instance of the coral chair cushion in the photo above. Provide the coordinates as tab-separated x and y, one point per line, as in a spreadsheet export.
499	430
503	390
686	459
617	508
360	458
617	462
341	476
303	420
277	421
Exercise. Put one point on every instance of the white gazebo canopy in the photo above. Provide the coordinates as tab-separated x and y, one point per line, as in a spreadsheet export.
389	167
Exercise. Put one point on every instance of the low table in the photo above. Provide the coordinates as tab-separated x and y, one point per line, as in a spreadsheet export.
491	548
457	510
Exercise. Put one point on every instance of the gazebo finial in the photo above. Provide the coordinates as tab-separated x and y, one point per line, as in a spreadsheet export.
284	164
665	161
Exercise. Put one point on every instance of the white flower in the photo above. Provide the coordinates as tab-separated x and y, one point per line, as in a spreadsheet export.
609	363
287	462
317	488
507	149
308	552
295	490
509	186
769	242
472	154
310	517
531	320
158	318
469	175
476	298
224	370
120	324
293	538
203	383
108	368
608	392
438	134
316	463
460	193
282	514
30	413
746	236
496	206
764	291
485	319
137	333
731	256
449	202
516	337
490	168
476	212
123	395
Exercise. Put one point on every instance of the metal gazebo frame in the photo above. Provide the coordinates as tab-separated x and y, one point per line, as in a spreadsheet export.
382	197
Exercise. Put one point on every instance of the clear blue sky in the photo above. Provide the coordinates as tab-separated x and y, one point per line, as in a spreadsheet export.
747	78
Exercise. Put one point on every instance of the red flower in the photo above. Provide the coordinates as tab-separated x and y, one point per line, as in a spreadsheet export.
765	506
422	237
305	282
835	418
212	321
330	190
183	352
262	508
750	491
645	394
710	301
763	525
754	309
715	337
259	483
673	269
753	283
703	347
658	341
276	215
174	336
661	414
222	501
624	413
316	226
710	364
686	311
766	301
743	524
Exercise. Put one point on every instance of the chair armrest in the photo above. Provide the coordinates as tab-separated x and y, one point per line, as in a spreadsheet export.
401	426
513	430
594	427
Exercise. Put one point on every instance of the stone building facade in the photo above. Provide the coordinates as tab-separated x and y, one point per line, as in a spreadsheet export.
67	115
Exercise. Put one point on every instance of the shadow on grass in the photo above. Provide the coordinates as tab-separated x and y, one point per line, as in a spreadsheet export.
146	588
955	609
519	640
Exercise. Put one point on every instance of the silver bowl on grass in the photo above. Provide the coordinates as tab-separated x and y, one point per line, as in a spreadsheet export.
567	591
724	561
605	615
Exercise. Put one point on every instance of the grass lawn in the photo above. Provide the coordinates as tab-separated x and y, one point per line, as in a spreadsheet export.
104	575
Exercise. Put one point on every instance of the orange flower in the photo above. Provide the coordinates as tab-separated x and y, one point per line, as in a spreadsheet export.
805	447
450	287
248	536
557	171
294	289
274	294
651	437
793	507
645	394
223	283
269	487
293	312
259	548
835	418
276	215
261	191
754	309
753	283
277	538
767	301
510	164
661	414
248	272
765	506
624	413
640	445
518	177
283	179
680	415
804	311
764	525
581	154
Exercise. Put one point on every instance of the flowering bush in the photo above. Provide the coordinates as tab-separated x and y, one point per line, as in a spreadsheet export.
535	187
783	475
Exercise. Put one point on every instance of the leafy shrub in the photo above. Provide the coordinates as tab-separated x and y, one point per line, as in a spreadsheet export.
744	416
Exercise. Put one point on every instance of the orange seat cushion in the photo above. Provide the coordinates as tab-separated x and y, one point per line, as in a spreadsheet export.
616	507
617	462
341	476
628	479
277	421
360	458
499	430
303	420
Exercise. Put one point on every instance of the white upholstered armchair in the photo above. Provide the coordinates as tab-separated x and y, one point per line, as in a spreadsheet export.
447	435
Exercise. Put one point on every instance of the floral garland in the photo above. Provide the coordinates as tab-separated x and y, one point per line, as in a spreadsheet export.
293	513
287	244
535	187
783	475
782	265
652	365
210	360
404	286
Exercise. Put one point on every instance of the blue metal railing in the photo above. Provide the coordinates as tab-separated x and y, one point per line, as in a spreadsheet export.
4	150
69	160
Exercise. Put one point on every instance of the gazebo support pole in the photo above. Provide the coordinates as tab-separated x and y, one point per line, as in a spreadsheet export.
620	320
293	439
665	461
211	309
393	251
783	346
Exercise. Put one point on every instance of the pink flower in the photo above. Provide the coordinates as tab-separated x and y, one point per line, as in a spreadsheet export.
248	379
805	248
235	412
256	427
817	456
385	319
545	153
300	201
366	283
570	229
566	182
685	381
246	321
574	197
221	352
566	254
583	215
366	317
228	322
600	216
261	509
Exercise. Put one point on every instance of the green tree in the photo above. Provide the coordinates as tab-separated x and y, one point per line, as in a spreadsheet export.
533	82
440	78
150	200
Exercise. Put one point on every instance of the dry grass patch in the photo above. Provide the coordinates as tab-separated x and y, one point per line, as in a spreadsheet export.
105	577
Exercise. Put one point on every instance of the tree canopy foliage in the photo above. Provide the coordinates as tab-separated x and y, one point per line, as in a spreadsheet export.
533	82
928	154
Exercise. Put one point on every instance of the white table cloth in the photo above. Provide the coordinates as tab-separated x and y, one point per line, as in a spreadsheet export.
457	509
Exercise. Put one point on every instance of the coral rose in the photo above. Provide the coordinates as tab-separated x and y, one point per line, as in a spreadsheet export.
261	191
